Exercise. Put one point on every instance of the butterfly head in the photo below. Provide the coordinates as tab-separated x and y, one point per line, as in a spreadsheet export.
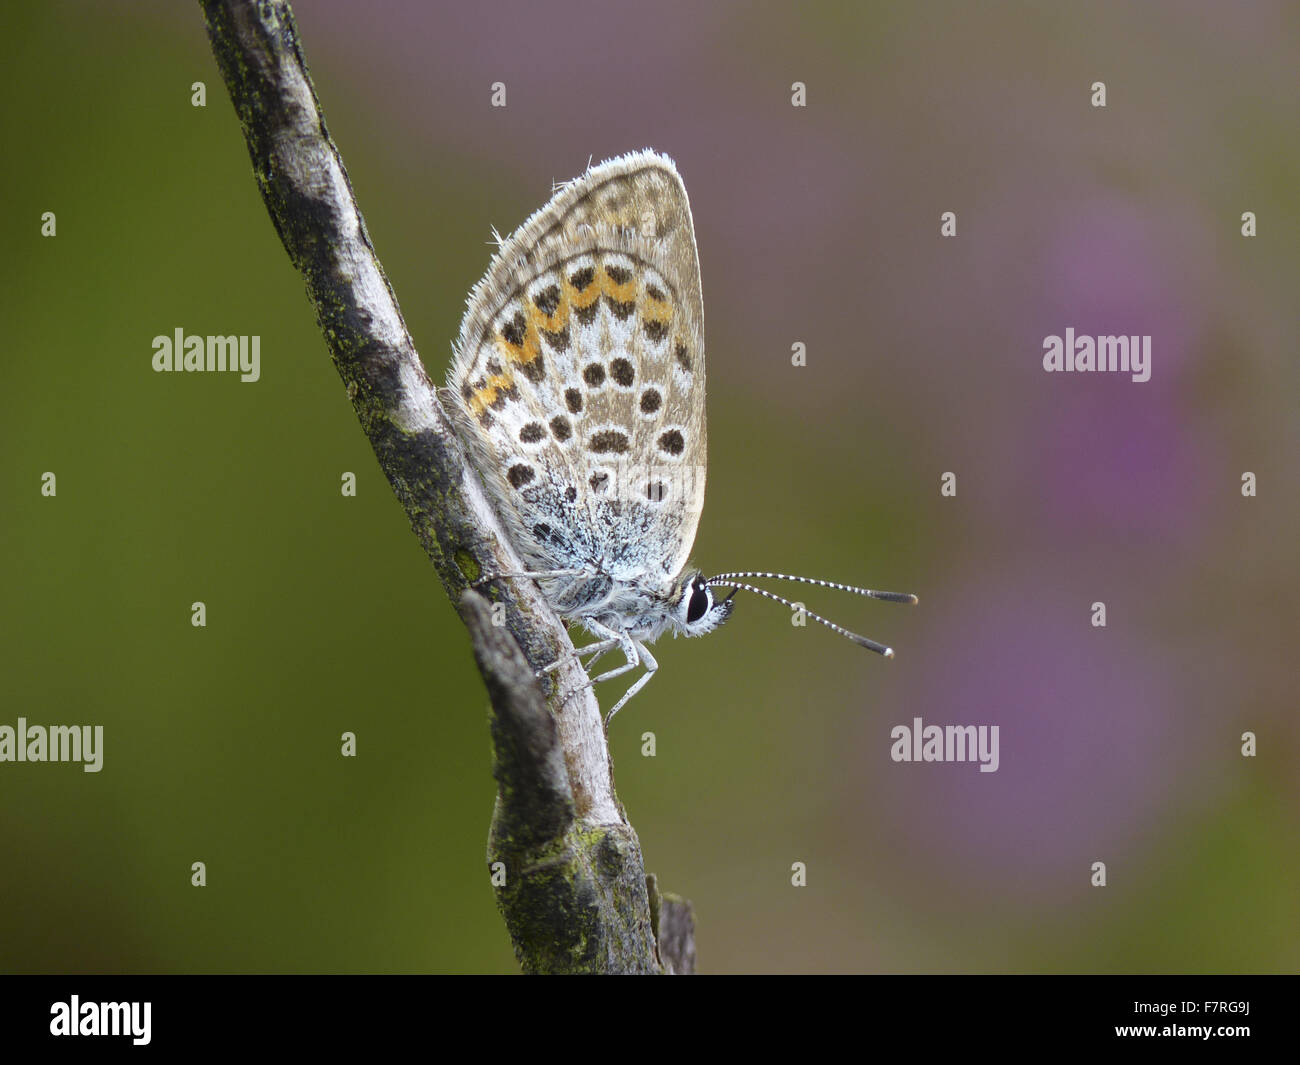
695	610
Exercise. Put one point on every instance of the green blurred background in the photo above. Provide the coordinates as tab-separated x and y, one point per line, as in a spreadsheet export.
817	225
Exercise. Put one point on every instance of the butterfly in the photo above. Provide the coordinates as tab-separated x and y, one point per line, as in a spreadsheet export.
577	386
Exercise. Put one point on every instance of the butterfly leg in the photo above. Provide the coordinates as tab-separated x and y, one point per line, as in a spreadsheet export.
535	575
611	640
633	650
605	646
624	642
597	649
651	667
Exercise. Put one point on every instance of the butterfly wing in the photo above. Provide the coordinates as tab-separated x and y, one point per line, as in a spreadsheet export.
578	377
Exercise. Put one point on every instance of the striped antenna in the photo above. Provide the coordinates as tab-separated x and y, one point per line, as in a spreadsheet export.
861	641
890	597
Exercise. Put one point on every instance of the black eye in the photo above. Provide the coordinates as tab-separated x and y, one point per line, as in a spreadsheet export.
698	605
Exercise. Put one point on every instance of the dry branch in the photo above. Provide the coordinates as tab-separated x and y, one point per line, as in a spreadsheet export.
575	898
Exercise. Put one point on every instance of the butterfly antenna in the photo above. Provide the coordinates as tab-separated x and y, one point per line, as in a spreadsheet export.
889	597
861	641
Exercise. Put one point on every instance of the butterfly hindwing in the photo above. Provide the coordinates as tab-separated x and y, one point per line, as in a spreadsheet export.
579	376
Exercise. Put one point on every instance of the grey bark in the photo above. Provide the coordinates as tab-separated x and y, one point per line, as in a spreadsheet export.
575	896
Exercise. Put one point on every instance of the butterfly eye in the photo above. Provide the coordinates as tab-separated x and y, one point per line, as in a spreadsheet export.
699	604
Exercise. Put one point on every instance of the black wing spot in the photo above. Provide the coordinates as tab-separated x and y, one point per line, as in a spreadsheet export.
622	372
622	311
608	440
548	300
672	442
559	340
504	396
513	331
534	369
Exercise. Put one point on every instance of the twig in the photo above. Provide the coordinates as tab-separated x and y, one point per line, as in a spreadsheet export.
575	897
